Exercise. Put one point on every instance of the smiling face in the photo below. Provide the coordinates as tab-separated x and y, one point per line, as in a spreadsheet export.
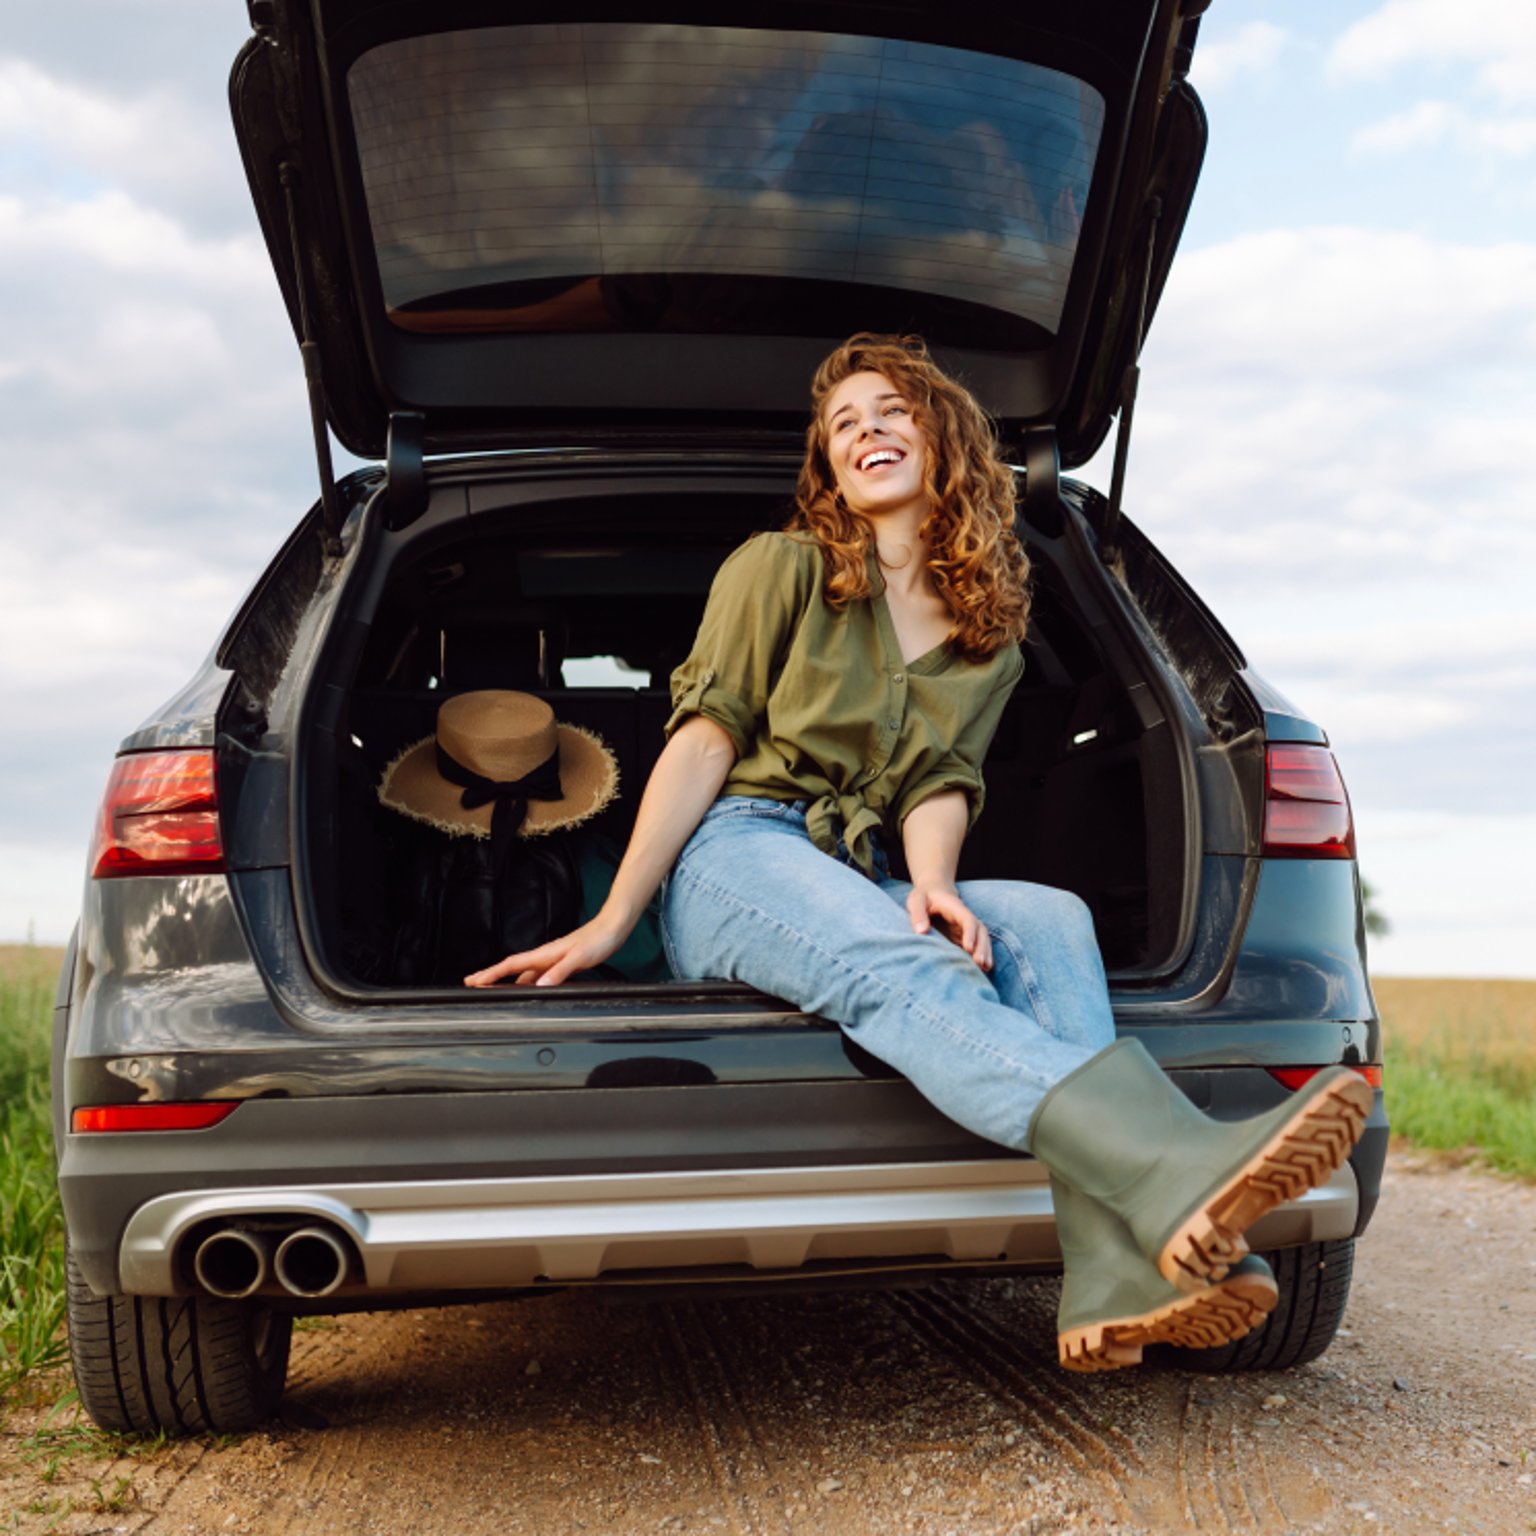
875	447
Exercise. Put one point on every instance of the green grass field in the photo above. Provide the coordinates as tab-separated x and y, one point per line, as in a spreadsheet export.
1461	1079
31	1253
1461	1068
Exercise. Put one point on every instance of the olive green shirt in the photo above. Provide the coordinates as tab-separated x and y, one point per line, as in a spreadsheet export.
822	707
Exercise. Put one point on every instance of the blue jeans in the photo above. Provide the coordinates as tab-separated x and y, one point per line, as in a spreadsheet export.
752	899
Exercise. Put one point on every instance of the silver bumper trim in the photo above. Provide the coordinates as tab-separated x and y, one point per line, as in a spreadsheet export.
496	1233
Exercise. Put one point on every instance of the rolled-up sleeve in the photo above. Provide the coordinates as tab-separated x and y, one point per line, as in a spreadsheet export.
960	767
755	602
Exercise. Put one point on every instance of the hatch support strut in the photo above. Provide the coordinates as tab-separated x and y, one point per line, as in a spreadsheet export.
309	350
1109	539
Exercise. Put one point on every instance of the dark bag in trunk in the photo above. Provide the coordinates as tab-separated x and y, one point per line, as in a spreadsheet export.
461	914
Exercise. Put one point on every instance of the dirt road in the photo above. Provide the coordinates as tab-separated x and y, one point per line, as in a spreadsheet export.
929	1412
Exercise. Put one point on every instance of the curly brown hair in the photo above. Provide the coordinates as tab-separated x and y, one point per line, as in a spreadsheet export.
975	560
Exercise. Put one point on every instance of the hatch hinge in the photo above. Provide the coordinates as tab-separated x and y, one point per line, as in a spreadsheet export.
1042	482
405	492
263	16
1109	536
309	351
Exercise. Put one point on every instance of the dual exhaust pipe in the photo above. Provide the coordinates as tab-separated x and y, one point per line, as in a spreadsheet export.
235	1262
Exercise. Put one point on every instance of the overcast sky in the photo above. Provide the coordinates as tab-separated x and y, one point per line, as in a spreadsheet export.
1333	440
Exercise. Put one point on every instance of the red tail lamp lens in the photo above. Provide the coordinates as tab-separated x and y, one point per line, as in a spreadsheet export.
151	1117
1294	1077
160	817
1306	808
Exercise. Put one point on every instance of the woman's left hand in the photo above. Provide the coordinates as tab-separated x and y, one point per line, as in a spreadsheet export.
940	905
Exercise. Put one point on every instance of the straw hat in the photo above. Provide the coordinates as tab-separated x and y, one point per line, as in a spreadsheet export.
500	763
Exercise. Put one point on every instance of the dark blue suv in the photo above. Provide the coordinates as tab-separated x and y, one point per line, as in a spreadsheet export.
565	279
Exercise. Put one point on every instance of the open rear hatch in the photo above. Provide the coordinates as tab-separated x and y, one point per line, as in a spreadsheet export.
514	225
483	217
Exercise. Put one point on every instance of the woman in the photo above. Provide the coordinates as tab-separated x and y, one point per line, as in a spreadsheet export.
847	679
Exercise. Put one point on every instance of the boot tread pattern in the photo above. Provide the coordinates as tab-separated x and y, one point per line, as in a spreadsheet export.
1215	1316
1299	1157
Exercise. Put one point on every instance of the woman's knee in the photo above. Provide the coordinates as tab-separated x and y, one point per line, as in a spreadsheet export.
1074	916
1027	908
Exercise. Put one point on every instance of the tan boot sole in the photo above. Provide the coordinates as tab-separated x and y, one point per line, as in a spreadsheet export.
1214	1316
1300	1156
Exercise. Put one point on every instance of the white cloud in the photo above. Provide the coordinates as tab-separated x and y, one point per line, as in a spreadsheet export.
40	895
156	441
1505	135
1410	642
1426	122
1433	122
1359	400
1332	445
1452	884
1349	304
186	45
115	231
1498	36
132	322
1387	716
65	636
157	141
1252	49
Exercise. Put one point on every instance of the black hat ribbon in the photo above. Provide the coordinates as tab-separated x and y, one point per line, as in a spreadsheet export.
510	797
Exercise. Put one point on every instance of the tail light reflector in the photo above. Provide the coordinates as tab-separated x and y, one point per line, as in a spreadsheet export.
152	1117
1306	808
160	816
1294	1077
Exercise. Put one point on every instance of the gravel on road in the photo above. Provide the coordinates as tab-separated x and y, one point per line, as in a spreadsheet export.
931	1411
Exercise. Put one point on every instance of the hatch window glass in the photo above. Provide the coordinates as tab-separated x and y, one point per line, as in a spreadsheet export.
608	176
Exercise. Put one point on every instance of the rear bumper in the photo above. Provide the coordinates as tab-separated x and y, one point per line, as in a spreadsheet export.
465	1191
463	1235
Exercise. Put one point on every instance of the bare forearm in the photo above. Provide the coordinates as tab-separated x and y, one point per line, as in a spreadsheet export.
684	783
932	835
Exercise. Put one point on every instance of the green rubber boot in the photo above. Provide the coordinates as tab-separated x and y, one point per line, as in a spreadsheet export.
1186	1185
1114	1303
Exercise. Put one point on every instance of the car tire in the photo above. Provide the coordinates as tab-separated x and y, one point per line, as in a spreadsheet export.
177	1364
1314	1290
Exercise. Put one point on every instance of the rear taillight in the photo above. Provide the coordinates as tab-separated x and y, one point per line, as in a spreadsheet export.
1295	1077
160	816
1306	809
151	1117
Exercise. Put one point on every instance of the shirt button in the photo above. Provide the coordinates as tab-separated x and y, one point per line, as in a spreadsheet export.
900	677
895	725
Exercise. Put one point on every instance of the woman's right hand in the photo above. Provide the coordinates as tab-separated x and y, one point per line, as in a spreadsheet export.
551	963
